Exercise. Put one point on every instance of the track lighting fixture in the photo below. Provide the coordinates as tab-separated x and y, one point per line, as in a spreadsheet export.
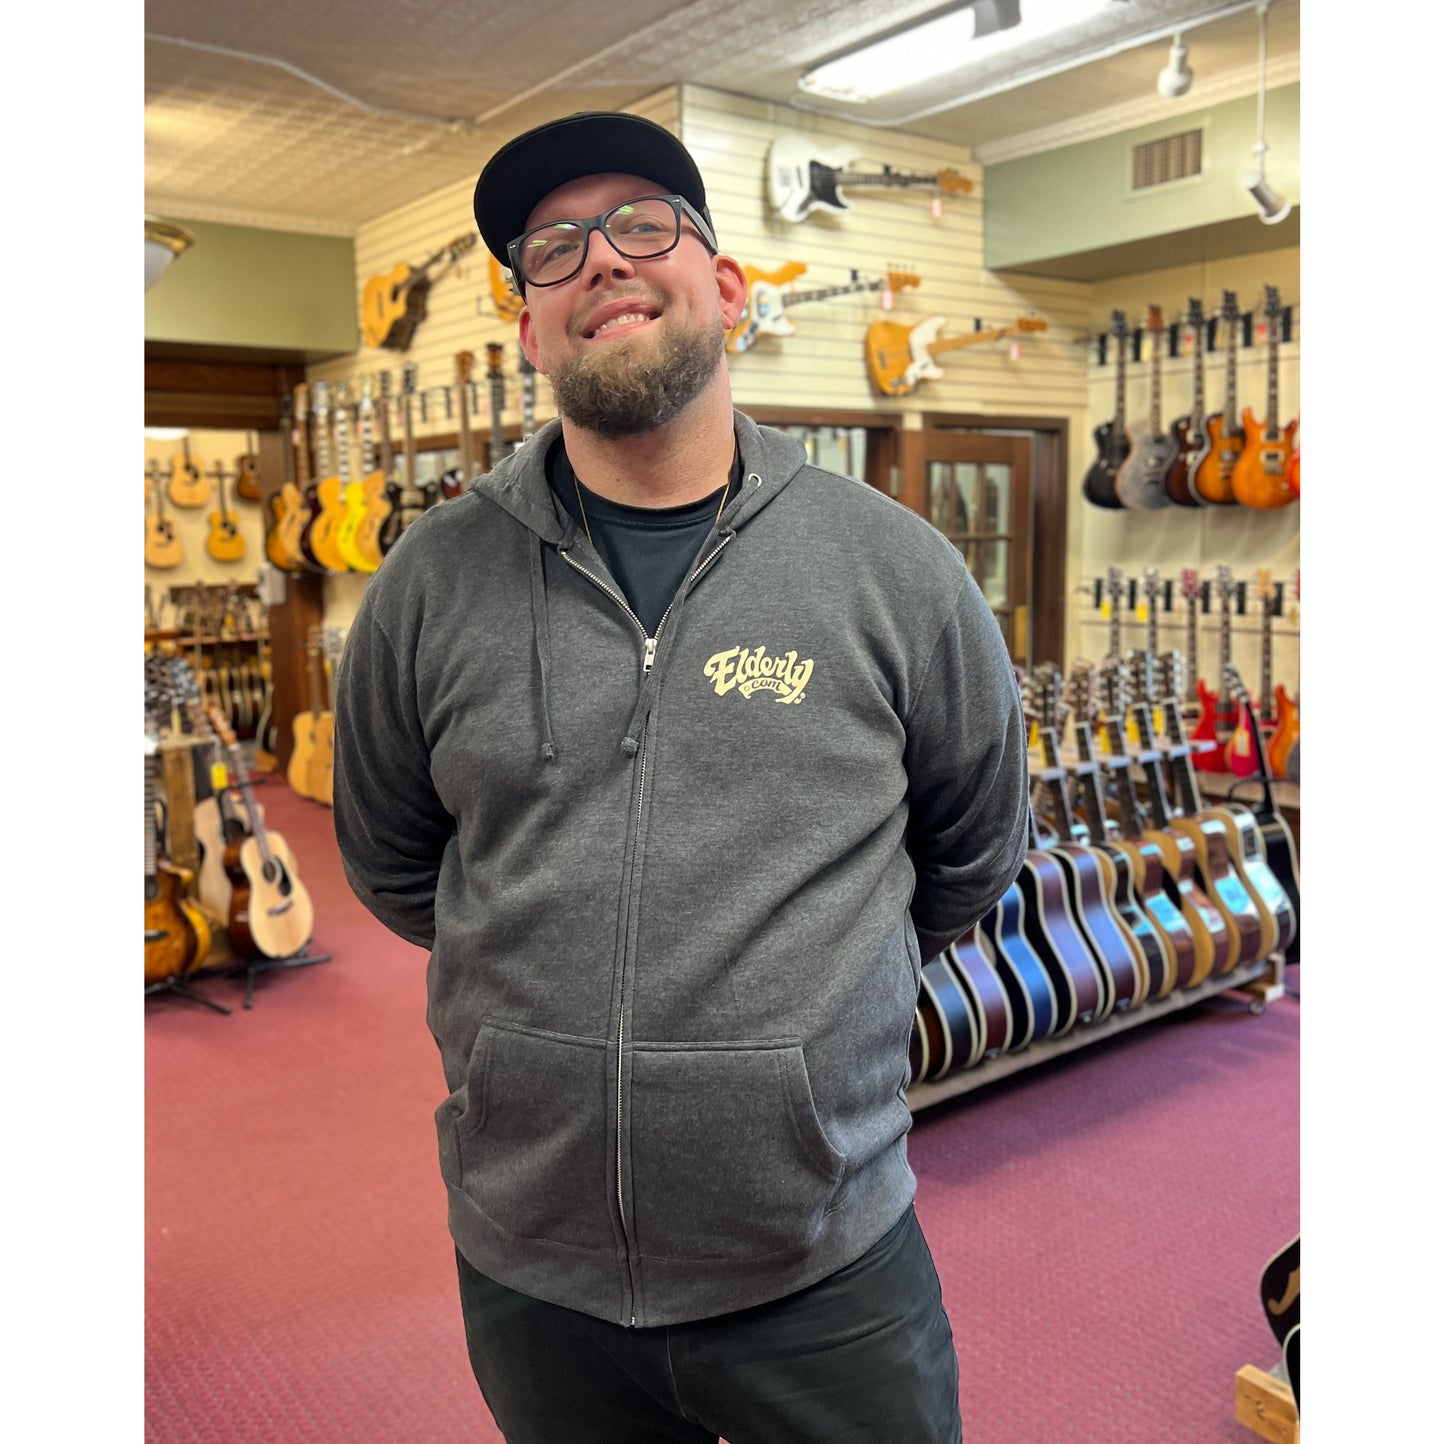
1273	208
1176	77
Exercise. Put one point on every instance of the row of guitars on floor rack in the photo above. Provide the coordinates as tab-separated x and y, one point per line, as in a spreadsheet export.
248	883
1117	903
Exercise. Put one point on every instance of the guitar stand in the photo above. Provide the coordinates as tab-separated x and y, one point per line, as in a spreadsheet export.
178	985
299	959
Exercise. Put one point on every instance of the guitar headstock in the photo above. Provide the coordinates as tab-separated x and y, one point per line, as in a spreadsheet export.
1229	309
901	280
1264	588
1155	323
221	727
1079	691
459	247
1196	314
1153	587
301	395
365	404
1271	302
1029	323
953	182
464	363
1224	586
1118	325
1189	587
1234	684
494	358
383	384
408	378
1171	674
321	401
1114	587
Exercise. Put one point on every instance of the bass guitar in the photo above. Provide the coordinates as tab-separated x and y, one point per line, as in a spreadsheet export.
393	304
225	542
1259	474
162	547
1212	479
770	293
188	485
803	178
1152	450
497	446
1190	437
1111	439
899	357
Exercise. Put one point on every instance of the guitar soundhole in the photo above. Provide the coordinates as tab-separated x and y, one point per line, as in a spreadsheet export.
270	870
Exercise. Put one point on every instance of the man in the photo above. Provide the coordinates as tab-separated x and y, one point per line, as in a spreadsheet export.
681	756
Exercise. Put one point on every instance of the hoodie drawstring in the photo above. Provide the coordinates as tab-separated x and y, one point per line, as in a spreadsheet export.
542	639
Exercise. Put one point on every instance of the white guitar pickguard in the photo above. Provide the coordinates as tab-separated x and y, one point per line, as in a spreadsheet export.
923	367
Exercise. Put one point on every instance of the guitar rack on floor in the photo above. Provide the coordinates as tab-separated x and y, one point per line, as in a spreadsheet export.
1261	981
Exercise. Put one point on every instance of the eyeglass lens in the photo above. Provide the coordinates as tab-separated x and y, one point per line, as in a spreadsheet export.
636	229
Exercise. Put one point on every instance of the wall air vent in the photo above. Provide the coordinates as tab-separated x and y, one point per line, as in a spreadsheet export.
1170	158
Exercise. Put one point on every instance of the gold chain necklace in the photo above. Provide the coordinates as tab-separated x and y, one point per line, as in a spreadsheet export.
577	488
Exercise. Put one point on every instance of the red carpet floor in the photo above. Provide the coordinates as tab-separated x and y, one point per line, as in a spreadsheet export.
1099	1222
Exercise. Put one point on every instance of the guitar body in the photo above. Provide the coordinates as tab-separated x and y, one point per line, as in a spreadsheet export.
898	357
1286	732
1246	854
1211	480
1033	1008
392	526
163	546
1279	1291
323	533
225	542
1092	881
1280	857
1155	969
303	754
1259	474
1159	897
959	1040
1207	925
979	979
383	304
803	177
1206	729
1243	754
377	496
184	933
763	315
1058	940
319	769
1140	482
1112	445
1291	467
1189	447
283	536
353	513
270	912
187	486
248	477
1216	874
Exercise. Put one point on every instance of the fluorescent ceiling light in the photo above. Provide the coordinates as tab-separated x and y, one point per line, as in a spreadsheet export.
946	44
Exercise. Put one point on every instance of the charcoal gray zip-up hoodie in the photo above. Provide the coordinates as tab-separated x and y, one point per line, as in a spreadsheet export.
677	890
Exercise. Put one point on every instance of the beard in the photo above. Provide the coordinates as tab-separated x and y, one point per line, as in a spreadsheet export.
631	388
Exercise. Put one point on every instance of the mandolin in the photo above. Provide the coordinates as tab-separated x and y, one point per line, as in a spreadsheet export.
898	357
225	542
1111	438
1259	474
1212	478
248	471
188	486
1139	484
393	304
803	177
162	546
770	293
1190	437
497	446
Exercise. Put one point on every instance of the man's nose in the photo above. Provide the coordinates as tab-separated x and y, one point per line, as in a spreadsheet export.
604	259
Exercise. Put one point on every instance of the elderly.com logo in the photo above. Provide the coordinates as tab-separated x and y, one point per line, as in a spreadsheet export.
755	671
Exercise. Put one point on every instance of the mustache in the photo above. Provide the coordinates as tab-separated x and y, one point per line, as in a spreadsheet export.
579	324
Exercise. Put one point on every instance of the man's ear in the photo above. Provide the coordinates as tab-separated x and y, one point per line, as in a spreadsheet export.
732	286
528	338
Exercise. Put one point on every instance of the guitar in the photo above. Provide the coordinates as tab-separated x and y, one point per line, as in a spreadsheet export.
353	498
505	299
414	499
287	507
456	479
1111	439
1244	760
1216	721
1152	450
248	472
177	933
270	913
1212	477
988	999
1190	589
393	304
225	542
497	446
188	487
527	384
899	357
1034	1011
263	754
367	507
802	178
391	526
954	1032
770	293
319	778
328	509
305	729
163	547
1291	467
1259	474
1279	1291
1190	437
1285	737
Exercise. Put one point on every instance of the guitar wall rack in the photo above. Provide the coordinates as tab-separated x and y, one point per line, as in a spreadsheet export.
1213	336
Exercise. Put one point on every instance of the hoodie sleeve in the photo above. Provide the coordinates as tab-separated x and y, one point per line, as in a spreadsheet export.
390	824
967	763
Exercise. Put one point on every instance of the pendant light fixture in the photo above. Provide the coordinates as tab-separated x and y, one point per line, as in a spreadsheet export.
1273	208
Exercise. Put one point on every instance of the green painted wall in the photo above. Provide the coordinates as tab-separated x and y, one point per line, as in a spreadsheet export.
237	286
1077	198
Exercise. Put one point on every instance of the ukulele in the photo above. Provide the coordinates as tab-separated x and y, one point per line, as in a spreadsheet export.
283	536
1285	737
270	913
188	487
1111	439
802	178
225	542
1190	437
497	446
1216	721
163	547
328	510
393	304
1152	450
248	472
1259	474
455	480
770	293
177	933
899	357
1212	476
527	385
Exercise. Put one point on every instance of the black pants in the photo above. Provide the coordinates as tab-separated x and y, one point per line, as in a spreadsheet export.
863	1357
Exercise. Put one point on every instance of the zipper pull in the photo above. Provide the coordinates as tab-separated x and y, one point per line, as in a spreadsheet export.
649	654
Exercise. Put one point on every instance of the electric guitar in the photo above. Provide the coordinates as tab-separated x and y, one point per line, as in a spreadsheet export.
1111	439
328	509
283	536
414	499
1216	718
390	528
456	479
306	483
1190	437
1259	474
1285	737
1212	478
899	357
188	486
162	546
527	385
1291	467
353	498
366	507
248	472
393	304
770	293
1190	589
497	446
1152	450
803	177
225	542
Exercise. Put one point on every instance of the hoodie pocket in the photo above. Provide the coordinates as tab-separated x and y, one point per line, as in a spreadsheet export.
729	1159
529	1139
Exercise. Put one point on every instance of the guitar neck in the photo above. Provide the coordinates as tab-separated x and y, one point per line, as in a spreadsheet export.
884	178
498	446
974	338
1156	363
1120	363
1231	412
1186	780
1272	410
792	298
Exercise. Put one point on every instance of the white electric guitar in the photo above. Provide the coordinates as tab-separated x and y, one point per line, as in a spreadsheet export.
770	293
802	177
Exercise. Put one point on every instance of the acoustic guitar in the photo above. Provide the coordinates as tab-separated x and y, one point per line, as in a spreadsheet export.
1259	474
188	485
177	933
248	471
1212	478
270	913
1285	737
987	997
368	509
1111	438
1152	450
287	507
770	293
324	726
898	357
803	177
225	542
497	447
506	301
393	304
954	1033
162	545
306	483
1034	1010
1190	437
305	730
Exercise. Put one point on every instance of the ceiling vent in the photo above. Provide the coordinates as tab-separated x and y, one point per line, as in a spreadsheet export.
1170	158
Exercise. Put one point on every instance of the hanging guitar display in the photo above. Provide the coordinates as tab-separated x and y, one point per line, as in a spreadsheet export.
367	506
188	485
353	498
328	508
1217	716
898	357
414	499
1259	474
770	294
1212	478
1139	484
1190	437
162	545
225	542
803	177
393	305
1111	438
497	446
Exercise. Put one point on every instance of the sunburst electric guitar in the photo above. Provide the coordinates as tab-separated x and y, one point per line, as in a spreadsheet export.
770	293
1260	478
1212	479
899	357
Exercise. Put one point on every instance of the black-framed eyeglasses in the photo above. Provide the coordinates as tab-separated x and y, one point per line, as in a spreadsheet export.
638	229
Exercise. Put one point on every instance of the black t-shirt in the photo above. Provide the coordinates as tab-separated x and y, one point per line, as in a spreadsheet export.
647	549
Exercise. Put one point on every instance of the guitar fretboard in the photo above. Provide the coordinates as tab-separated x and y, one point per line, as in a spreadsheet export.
883	178
791	298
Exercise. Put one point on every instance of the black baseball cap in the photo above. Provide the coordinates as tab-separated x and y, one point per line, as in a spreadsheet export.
589	142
